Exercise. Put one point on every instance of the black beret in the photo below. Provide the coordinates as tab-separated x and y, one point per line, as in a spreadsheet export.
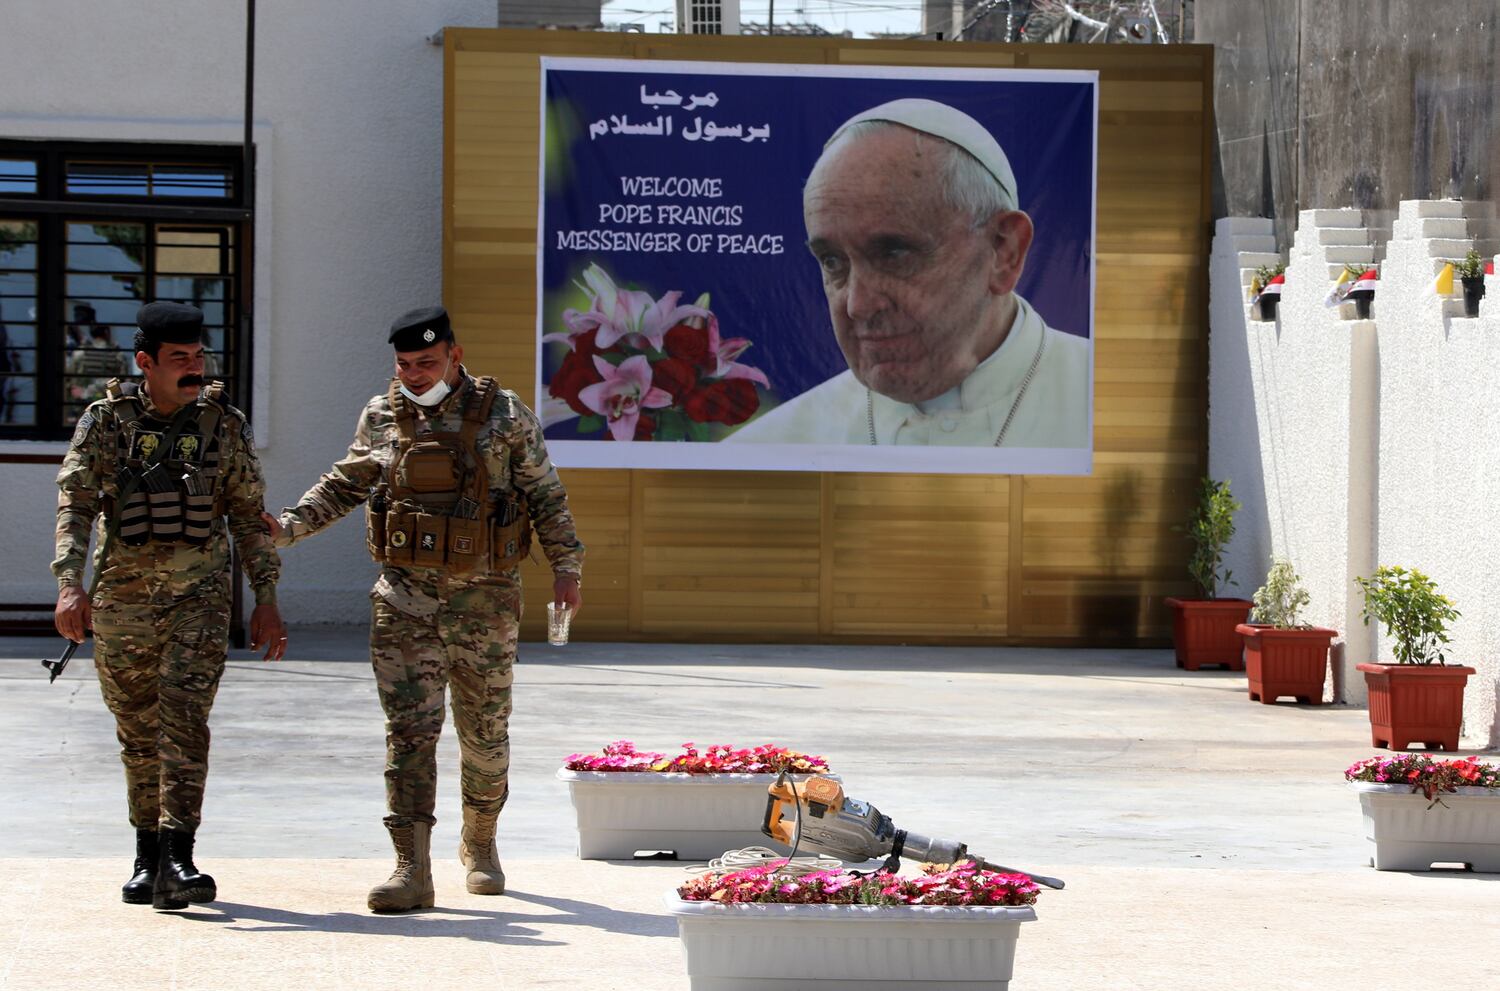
170	323
419	329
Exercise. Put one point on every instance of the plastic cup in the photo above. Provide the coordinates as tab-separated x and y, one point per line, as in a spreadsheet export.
558	621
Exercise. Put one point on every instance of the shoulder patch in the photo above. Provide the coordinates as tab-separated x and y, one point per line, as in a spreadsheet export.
246	434
85	424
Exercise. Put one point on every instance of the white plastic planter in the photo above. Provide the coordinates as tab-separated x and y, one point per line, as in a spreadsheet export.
697	816
829	947
1408	836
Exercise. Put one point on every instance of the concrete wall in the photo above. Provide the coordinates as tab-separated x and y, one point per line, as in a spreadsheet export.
349	112
1352	103
1354	443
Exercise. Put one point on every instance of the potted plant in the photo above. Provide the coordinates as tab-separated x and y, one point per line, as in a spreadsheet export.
1203	629
954	926
1283	655
695	804
1266	288
1420	697
1420	811
1471	272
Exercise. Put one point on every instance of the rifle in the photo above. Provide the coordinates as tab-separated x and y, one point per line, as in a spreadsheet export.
126	491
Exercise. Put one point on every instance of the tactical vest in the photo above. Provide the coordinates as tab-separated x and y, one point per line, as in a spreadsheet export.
179	497
433	510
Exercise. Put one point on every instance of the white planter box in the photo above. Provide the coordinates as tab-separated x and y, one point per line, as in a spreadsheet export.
829	947
1408	836
698	816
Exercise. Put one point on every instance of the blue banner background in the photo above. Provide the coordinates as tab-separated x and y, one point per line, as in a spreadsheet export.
777	301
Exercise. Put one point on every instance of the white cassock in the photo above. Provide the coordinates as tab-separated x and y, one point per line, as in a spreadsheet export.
1054	412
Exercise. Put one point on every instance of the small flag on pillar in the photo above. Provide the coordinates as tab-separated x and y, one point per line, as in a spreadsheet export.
1272	288
1489	269
1365	282
1444	284
1340	288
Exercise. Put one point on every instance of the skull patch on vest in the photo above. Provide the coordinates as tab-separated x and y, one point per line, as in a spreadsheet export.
187	447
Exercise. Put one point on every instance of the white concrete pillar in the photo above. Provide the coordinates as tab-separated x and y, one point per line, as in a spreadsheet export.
1439	438
1291	424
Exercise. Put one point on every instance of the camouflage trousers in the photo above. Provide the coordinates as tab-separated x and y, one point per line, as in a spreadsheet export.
159	652
428	633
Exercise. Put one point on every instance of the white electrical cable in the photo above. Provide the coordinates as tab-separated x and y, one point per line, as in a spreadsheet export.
758	856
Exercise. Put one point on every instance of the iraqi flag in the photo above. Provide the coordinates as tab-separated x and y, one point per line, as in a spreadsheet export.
1365	284
1272	289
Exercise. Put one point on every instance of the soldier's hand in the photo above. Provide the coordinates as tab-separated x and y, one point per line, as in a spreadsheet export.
273	527
74	615
565	593
267	628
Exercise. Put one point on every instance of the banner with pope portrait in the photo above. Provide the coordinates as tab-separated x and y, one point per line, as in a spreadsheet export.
816	268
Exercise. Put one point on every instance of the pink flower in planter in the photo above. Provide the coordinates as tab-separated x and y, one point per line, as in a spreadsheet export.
1430	777
964	885
719	758
624	393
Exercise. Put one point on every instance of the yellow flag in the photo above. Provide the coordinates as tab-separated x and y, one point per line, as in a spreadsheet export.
1335	295
1444	284
1255	286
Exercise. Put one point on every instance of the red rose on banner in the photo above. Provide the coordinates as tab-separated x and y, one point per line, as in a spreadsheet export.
688	343
675	376
577	372
641	368
727	401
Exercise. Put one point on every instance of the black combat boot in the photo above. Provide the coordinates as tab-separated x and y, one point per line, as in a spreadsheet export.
137	891
177	880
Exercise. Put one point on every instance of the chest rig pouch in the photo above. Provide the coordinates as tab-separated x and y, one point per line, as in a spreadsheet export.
434	510
179	493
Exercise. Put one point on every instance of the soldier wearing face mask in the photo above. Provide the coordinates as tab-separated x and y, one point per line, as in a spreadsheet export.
454	476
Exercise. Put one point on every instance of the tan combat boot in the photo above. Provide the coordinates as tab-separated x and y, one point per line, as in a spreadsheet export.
476	851
410	884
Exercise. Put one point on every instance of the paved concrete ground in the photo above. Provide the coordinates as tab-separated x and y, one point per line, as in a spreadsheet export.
1208	841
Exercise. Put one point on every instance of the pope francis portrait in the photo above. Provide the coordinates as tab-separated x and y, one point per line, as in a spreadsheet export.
913	218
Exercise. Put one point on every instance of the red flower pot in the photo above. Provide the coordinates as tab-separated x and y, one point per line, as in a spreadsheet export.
1286	662
1203	632
1415	702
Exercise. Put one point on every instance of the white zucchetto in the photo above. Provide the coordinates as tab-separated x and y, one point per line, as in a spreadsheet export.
954	126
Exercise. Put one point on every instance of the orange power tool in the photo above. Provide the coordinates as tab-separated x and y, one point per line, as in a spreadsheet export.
830	822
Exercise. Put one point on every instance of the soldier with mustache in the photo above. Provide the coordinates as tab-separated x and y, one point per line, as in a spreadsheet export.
165	473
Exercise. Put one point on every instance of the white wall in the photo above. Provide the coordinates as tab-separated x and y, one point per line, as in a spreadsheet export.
1439	489
1294	465
1354	443
349	113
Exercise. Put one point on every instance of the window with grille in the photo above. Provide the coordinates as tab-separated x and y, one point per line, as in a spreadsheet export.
88	233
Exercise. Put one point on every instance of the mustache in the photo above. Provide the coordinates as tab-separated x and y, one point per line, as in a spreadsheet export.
187	380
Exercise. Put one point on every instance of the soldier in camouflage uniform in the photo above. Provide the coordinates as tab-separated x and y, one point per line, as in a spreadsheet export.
159	467
454	473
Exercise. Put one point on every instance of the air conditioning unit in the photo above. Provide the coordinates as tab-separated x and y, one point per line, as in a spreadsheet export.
708	16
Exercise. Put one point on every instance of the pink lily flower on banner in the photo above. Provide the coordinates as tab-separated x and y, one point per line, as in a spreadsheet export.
726	351
625	391
623	314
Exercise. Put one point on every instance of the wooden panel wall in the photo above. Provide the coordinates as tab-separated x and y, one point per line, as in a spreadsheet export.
785	556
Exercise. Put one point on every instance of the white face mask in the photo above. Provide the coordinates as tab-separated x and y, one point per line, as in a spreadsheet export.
434	395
